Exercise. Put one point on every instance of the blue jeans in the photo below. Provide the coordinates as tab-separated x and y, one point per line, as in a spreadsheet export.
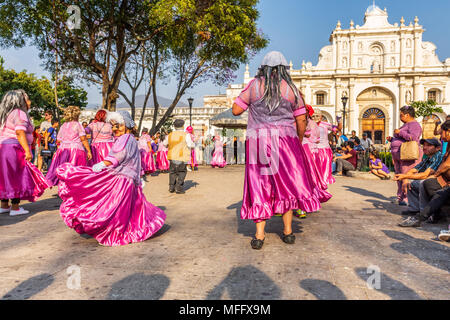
48	160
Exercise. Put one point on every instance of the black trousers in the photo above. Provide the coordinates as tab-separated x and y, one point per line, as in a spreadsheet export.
177	174
439	197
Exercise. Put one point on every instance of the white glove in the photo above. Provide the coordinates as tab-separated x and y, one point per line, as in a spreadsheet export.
142	183
98	167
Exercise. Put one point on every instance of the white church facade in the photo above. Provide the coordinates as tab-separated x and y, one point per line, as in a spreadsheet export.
380	67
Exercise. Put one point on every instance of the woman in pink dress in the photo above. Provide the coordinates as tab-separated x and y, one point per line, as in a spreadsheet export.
218	160
193	163
278	178
161	156
145	147
19	178
324	155
72	145
102	137
107	201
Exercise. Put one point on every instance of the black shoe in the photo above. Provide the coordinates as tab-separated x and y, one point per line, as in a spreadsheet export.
402	203
180	192
171	190
409	213
289	239
257	244
433	219
411	222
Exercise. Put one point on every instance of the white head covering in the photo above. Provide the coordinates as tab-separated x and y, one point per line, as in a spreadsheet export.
122	117
273	59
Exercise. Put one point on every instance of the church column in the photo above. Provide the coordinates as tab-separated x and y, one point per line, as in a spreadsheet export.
353	112
417	44
416	85
350	59
401	100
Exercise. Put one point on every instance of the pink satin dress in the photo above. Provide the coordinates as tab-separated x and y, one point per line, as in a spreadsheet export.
324	155
148	164
109	205
218	160
102	141
161	157
19	179
278	177
70	149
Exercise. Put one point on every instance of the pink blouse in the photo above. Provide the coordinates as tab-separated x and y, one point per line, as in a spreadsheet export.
69	135
16	120
143	142
324	127
101	132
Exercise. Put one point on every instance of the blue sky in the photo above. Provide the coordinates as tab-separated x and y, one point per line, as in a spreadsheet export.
299	29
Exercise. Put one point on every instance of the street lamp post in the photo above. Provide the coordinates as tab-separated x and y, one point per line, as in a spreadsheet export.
190	100
344	103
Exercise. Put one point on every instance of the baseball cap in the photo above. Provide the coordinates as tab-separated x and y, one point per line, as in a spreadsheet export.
433	141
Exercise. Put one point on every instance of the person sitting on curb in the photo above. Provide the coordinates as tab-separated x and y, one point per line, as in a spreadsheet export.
414	189
348	161
377	167
436	188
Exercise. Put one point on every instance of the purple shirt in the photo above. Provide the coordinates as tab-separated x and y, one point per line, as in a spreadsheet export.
377	163
410	131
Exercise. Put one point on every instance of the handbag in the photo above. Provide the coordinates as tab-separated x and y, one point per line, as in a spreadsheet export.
409	150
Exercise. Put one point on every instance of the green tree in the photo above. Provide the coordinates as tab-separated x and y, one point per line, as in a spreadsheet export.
96	38
425	108
40	90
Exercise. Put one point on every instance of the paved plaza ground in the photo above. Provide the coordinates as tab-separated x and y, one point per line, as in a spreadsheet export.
203	251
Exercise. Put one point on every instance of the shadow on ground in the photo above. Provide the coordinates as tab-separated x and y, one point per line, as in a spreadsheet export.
246	283
190	184
382	202
393	288
322	290
274	225
30	287
139	287
432	253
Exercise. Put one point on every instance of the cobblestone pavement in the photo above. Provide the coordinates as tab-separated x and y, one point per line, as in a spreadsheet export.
203	251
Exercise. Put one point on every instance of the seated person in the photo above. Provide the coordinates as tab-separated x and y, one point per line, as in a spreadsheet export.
347	162
414	189
358	147
436	188
338	153
377	167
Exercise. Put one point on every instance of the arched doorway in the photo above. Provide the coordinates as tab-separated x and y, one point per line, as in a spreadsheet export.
373	124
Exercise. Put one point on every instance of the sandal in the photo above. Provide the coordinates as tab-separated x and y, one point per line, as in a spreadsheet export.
289	238
257	244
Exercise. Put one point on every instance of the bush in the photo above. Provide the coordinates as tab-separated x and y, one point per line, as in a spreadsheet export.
386	157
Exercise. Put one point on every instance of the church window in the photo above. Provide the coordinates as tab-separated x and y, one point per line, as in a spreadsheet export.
320	99
432	95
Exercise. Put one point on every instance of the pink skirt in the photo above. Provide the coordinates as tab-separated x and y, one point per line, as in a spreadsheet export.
162	161
218	160
324	160
316	175
289	187
76	157
19	179
108	207
147	162
194	162
100	151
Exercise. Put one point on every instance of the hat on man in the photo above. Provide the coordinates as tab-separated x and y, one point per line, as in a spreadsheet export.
433	141
178	123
